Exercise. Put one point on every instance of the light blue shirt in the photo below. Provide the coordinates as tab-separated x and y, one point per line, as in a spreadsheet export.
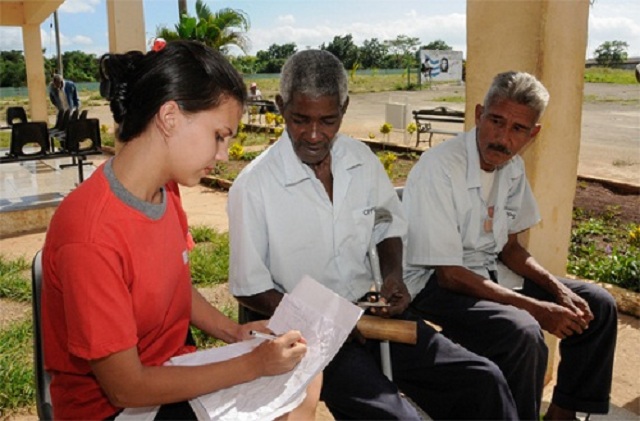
447	214
282	224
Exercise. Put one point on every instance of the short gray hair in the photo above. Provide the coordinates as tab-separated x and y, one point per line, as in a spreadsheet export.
314	73
519	87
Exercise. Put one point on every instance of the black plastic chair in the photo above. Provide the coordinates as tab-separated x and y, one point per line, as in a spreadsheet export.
83	115
32	133
59	130
16	113
43	380
82	139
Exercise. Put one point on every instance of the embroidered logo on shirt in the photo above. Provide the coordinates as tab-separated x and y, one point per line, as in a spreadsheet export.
368	211
185	257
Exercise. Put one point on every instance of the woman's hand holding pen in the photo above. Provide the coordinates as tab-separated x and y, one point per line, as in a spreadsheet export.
281	354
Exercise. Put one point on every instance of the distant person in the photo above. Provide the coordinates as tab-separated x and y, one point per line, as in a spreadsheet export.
466	201
426	68
117	296
63	94
254	92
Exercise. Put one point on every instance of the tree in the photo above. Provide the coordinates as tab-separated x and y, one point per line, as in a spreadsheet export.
403	48
78	66
218	30
436	45
12	69
343	48
373	53
611	53
272	60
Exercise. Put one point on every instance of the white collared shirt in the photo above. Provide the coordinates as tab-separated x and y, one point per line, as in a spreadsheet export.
447	214
282	224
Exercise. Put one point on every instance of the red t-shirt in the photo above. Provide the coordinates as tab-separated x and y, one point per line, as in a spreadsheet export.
113	279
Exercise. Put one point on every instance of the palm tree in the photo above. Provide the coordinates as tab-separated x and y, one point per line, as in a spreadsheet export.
218	30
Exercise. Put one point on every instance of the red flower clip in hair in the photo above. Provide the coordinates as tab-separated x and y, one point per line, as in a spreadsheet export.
158	44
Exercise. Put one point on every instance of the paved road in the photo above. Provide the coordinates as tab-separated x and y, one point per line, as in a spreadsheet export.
610	144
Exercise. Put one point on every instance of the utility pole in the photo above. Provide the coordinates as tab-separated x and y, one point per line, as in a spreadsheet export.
182	8
57	29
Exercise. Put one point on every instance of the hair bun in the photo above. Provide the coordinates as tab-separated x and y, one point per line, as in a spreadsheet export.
116	73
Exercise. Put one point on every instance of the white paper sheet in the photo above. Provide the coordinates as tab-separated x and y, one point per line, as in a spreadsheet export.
325	320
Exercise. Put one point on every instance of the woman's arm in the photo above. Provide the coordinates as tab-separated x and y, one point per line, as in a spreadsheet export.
128	384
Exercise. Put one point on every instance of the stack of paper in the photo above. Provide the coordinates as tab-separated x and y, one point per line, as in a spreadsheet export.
325	320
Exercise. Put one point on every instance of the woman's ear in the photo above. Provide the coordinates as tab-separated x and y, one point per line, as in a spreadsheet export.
167	117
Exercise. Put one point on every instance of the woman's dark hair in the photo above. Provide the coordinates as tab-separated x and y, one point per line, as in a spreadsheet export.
136	84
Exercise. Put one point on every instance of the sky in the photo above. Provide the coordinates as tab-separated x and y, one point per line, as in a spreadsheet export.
309	23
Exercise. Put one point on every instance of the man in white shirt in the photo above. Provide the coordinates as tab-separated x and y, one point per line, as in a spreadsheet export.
254	92
307	205
466	200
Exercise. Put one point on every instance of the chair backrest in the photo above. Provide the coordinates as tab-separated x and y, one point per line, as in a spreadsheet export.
16	113
58	124
43	380
26	134
74	114
83	115
81	131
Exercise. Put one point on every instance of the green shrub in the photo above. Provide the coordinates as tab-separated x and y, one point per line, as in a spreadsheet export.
209	260
604	250
17	383
608	75
15	282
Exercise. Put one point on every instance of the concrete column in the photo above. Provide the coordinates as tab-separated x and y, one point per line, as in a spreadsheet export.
126	26
548	39
126	30
35	72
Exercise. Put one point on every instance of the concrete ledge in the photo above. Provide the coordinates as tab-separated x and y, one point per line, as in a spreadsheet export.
614	186
27	220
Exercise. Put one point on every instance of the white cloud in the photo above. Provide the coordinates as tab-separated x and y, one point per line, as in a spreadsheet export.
10	38
286	19
82	40
614	29
79	6
449	28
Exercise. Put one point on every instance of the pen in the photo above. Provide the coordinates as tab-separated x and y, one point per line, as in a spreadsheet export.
261	335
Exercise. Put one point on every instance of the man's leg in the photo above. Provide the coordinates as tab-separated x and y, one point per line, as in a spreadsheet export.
450	382
508	336
355	388
586	360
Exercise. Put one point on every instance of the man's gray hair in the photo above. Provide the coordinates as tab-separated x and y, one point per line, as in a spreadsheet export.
314	73
519	87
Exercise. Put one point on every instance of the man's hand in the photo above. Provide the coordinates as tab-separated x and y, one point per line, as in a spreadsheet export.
394	292
558	320
569	299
